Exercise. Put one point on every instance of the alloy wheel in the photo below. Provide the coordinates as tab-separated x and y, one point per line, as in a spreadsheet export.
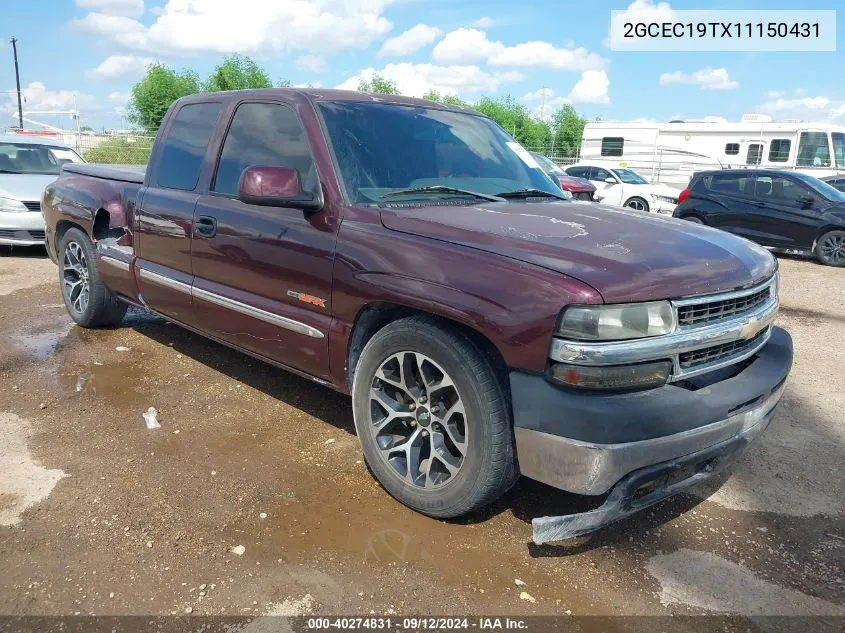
636	205
75	277
832	249
418	420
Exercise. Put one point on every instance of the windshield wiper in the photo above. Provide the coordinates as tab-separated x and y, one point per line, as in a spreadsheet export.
440	189
530	193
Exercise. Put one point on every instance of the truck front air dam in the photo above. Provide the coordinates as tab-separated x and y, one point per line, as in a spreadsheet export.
644	446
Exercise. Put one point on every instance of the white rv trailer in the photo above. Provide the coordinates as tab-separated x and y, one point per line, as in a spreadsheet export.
671	152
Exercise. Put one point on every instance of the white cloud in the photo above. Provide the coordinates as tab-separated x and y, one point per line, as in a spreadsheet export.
463	46
544	55
483	23
592	87
645	11
416	79
128	8
797	105
312	63
117	66
195	27
410	41
706	79
119	101
37	98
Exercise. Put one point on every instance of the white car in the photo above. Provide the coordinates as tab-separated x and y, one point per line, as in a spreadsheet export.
27	165
621	187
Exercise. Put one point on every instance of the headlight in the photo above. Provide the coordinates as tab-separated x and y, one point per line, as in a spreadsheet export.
668	199
8	205
617	322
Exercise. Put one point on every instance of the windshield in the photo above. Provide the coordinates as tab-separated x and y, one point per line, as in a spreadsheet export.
839	148
546	163
630	177
828	191
382	148
30	158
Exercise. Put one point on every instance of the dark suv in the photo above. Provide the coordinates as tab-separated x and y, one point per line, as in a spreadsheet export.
784	211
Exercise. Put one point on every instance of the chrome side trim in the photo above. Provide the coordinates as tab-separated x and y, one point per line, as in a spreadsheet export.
666	346
592	469
268	317
117	263
167	282
723	296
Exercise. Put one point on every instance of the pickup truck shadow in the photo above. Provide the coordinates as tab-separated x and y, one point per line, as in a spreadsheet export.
773	470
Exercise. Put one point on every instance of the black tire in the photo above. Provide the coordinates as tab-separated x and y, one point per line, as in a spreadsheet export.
637	204
694	219
488	465
830	249
102	308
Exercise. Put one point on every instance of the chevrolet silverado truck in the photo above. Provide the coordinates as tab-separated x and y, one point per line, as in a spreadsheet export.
414	256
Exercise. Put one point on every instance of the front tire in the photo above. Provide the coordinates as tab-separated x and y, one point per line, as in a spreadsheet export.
637	204
433	418
87	299
694	219
830	249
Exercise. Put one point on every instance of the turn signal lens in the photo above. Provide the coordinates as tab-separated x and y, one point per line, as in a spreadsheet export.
617	377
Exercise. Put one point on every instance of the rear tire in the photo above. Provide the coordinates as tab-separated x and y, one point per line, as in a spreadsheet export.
87	299
433	418
637	204
830	249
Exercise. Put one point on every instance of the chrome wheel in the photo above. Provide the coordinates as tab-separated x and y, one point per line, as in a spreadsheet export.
832	249
75	277
418	420
636	204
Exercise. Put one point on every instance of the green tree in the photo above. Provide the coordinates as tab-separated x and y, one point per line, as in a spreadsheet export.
237	73
517	121
156	92
452	100
380	85
567	130
284	83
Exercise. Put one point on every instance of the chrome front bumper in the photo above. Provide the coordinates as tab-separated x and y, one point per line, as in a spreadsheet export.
589	468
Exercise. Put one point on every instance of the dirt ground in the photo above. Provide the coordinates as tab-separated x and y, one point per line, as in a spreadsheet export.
253	498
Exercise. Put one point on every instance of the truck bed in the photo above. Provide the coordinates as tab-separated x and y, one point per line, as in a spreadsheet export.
122	173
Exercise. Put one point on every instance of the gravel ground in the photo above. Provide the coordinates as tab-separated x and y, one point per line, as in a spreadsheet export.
253	498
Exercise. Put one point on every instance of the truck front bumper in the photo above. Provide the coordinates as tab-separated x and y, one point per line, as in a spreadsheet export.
591	443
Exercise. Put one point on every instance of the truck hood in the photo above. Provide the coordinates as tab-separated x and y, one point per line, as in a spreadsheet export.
24	187
626	256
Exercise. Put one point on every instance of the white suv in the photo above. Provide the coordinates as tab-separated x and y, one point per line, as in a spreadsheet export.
626	188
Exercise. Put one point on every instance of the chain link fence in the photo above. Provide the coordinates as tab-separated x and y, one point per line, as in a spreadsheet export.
114	149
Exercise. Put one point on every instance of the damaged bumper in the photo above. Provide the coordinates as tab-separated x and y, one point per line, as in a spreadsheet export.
640	447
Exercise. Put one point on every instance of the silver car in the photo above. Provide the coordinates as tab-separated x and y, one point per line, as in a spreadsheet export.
27	165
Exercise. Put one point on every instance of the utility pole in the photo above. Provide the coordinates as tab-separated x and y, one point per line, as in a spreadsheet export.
543	90
18	81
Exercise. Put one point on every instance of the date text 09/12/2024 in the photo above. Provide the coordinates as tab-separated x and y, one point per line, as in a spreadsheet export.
417	623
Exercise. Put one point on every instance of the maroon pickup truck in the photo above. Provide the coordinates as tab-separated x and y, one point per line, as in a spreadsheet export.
414	256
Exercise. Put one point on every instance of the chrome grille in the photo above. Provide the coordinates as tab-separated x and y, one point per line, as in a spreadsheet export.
695	311
706	355
33	206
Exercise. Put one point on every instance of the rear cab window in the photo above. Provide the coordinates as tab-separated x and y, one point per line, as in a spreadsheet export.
185	145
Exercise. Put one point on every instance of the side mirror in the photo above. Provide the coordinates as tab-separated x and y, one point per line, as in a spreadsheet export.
610	180
806	201
273	186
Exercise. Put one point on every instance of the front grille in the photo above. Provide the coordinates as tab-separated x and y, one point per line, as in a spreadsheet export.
33	206
706	312
688	360
18	234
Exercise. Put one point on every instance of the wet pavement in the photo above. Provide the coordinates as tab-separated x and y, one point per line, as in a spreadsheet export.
100	515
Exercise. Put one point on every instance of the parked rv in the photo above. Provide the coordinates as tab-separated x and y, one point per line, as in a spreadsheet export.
626	188
784	211
671	152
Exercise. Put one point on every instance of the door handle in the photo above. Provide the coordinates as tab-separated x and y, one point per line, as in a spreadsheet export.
206	226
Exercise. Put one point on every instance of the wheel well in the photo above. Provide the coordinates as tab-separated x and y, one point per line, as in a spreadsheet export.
375	316
62	227
101	229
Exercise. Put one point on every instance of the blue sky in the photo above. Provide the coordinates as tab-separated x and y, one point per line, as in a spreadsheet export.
88	53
